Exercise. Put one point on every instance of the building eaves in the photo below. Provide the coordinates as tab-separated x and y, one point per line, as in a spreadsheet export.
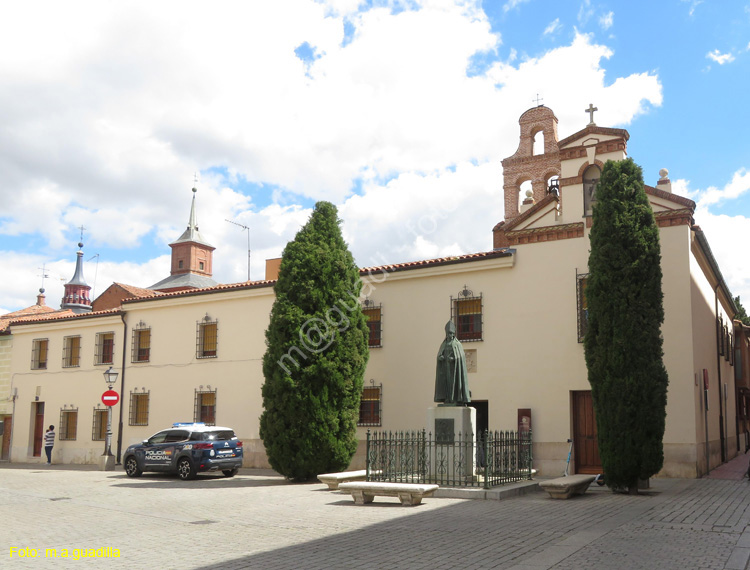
63	316
466	258
686	202
593	130
203	291
703	243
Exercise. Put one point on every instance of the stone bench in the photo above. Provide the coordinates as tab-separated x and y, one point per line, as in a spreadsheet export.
566	487
408	493
333	479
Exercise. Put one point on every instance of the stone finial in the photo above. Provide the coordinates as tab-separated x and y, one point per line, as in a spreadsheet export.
664	183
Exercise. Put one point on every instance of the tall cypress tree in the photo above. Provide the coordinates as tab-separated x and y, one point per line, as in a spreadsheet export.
316	353
623	343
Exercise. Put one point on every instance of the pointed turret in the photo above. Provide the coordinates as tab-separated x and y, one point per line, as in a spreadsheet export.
192	259
76	297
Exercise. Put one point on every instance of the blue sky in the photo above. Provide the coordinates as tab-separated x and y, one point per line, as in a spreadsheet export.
109	110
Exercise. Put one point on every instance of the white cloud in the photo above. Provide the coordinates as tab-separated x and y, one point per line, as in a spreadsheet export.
723	231
585	12
109	109
739	185
693	5
552	27
607	20
511	4
720	58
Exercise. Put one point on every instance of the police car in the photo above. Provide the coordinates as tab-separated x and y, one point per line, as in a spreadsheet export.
186	449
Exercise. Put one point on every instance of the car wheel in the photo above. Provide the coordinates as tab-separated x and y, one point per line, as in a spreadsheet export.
131	467
185	469
230	472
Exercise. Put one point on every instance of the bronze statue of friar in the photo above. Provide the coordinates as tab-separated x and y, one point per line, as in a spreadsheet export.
451	376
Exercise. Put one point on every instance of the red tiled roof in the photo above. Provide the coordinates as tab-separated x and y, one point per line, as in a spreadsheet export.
363	271
203	291
437	262
62	315
139	291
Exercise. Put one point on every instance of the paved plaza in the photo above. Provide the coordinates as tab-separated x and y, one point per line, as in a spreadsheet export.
258	520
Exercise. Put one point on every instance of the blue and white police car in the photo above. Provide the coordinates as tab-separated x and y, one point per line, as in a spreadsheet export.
186	449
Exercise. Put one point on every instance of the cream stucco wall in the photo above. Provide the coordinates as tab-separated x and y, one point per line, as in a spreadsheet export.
174	373
59	388
529	355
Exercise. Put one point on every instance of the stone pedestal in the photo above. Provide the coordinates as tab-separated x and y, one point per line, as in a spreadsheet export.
106	463
453	431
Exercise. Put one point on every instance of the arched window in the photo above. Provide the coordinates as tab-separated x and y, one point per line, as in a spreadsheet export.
537	147
590	179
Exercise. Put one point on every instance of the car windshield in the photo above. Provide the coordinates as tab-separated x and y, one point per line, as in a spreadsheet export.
222	435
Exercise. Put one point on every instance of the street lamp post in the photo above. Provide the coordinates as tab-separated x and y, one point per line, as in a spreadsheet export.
107	462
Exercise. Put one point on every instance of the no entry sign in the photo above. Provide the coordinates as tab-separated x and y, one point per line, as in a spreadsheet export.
110	398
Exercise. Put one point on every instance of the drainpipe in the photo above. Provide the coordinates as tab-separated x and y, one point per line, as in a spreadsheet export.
122	385
718	374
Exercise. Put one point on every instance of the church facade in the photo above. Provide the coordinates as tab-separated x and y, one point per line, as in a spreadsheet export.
193	352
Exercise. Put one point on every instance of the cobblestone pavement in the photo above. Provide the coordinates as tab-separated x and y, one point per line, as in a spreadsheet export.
257	520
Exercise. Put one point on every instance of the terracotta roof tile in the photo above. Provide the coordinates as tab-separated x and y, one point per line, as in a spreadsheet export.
436	262
61	316
203	291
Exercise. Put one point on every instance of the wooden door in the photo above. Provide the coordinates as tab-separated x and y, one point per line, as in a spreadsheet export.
7	425
585	445
38	428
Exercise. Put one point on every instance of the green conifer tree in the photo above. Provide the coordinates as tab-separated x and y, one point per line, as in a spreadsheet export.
623	344
316	353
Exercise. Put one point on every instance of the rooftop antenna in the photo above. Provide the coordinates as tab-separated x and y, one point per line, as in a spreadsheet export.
45	275
247	229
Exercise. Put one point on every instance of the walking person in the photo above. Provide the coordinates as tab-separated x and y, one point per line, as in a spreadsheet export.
49	442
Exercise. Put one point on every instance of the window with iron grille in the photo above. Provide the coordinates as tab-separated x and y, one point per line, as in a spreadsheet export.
39	354
99	426
141	349
138	415
582	305
205	406
727	343
590	179
68	424
370	406
207	338
104	352
466	313
71	351
373	314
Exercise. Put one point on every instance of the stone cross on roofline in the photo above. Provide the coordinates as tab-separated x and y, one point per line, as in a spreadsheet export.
590	111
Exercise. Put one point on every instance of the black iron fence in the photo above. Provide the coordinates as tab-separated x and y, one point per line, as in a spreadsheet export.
489	459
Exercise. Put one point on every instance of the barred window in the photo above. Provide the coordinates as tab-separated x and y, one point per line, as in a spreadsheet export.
105	348
141	349
68	424
370	406
99	425
39	354
590	180
207	338
71	351
466	313
374	317
139	404
582	304
205	406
